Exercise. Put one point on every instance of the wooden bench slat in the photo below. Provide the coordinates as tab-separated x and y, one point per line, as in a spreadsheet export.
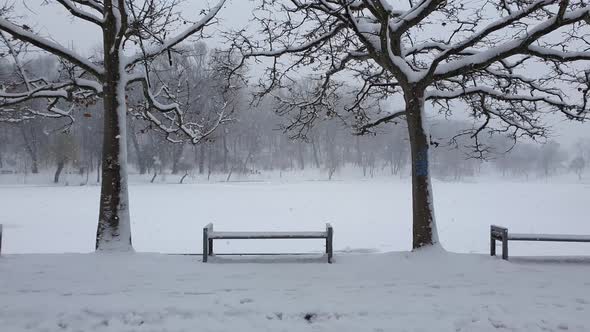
267	235
548	237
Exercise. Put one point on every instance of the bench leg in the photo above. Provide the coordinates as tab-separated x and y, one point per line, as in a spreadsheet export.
329	244
210	247
492	246
505	245
205	244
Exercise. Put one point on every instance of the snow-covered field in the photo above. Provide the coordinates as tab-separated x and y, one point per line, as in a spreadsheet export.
364	290
371	214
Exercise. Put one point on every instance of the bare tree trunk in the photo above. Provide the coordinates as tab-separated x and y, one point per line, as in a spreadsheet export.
177	151
183	177
391	167
141	160
231	171
209	161
359	154
424	226
331	153
225	151
201	158
331	172
114	224
30	146
300	155
60	167
88	172
316	158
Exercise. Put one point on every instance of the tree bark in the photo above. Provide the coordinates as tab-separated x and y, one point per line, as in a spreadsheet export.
424	226
114	225
98	164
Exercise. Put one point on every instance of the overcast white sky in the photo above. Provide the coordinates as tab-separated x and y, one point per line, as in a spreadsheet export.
52	20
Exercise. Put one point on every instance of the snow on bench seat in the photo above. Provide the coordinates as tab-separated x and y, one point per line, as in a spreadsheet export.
268	235
209	235
548	237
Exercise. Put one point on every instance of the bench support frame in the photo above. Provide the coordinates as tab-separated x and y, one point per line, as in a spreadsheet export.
500	234
207	242
329	242
208	237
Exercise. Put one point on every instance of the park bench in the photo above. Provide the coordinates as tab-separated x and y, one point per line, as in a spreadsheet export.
209	235
498	233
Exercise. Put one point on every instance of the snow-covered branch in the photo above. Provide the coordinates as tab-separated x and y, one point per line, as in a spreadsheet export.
560	56
171	42
521	45
499	95
171	119
96	5
454	49
78	12
52	47
364	129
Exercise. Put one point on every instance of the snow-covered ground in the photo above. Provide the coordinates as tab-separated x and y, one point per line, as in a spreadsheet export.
364	290
360	292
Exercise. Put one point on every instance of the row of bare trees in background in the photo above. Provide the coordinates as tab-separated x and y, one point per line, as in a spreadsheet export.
254	142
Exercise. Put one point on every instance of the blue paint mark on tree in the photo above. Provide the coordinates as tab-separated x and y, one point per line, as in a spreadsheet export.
421	162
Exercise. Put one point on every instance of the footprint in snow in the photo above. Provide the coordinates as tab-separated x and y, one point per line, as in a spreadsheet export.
276	315
309	317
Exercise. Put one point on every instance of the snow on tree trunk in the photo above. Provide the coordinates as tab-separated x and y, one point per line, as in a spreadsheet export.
114	229
114	224
424	225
